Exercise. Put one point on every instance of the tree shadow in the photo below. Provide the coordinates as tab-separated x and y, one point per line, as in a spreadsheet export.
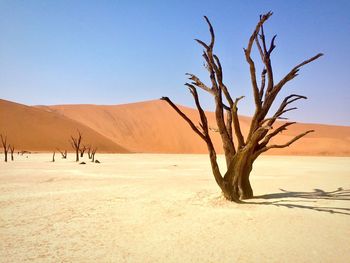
339	194
318	194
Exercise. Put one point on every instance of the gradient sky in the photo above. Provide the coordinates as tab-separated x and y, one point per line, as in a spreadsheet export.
113	52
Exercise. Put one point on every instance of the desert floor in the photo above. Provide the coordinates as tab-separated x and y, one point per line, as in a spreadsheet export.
167	208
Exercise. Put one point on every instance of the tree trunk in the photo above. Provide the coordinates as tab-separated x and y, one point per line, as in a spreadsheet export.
247	191
5	156
237	176
77	156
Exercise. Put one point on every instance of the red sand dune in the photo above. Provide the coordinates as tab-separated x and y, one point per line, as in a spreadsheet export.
37	129
150	126
153	126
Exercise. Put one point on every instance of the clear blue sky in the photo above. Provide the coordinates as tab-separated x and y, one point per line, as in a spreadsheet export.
112	52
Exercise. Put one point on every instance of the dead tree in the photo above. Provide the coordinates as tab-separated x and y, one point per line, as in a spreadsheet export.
93	152
241	151
12	149
75	142
5	146
63	154
89	151
53	157
82	150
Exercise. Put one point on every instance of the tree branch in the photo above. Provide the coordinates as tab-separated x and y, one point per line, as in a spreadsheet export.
282	108
216	77
266	148
262	86
196	81
222	86
291	75
236	123
274	133
258	94
250	61
229	124
211	30
204	121
188	120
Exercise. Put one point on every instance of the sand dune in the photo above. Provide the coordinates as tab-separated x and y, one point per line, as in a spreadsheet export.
148	127
154	127
143	127
38	129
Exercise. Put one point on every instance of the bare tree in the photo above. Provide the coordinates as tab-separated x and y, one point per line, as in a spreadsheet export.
89	151
93	152
12	149
82	150
75	142
241	152
53	157
5	146
64	154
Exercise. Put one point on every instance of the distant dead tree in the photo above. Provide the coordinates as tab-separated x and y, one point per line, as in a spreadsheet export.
5	146
12	149
89	151
82	150
63	154
93	152
75	142
240	152
53	157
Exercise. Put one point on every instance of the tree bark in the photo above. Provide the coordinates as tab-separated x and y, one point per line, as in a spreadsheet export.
237	175
247	190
